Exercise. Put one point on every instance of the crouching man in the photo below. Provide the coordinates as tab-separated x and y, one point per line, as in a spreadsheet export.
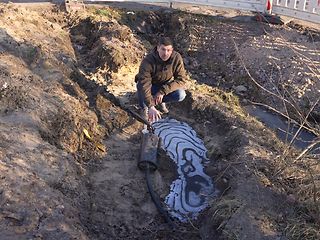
161	79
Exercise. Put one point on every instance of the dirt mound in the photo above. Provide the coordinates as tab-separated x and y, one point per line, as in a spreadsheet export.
108	44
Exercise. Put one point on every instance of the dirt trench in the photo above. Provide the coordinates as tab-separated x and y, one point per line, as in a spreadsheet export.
121	207
78	186
68	148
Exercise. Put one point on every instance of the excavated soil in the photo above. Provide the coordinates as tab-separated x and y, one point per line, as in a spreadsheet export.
68	152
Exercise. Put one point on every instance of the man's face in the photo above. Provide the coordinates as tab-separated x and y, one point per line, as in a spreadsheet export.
165	51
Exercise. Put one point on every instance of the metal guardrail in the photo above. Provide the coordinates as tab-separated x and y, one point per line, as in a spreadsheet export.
249	5
308	10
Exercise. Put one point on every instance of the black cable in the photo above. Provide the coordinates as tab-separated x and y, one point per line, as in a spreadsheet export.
155	199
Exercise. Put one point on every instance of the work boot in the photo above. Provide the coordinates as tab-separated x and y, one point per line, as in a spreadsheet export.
163	108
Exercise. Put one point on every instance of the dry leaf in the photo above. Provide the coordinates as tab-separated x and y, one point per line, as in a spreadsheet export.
86	133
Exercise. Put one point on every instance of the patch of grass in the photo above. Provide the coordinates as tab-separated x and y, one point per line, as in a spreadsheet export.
103	12
228	99
106	12
222	211
299	229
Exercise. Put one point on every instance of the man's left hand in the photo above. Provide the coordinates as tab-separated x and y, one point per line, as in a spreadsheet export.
158	98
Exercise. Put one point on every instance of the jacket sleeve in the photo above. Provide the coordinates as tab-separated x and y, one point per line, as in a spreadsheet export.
145	79
179	75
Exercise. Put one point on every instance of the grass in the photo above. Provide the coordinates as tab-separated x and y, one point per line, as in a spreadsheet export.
296	180
108	13
227	99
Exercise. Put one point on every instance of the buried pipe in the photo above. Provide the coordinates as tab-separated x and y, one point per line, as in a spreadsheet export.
147	162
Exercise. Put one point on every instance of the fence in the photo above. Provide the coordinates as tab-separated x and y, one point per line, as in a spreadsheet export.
249	5
308	10
301	9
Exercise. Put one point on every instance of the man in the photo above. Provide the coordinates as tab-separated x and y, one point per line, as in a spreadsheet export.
161	79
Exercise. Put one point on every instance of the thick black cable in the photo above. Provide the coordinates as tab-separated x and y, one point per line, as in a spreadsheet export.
155	199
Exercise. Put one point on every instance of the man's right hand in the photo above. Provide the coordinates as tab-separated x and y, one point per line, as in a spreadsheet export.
153	114
158	98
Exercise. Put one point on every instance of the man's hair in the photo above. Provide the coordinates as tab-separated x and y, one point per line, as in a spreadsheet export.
165	41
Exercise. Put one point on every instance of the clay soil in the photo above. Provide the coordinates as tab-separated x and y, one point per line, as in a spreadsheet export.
68	152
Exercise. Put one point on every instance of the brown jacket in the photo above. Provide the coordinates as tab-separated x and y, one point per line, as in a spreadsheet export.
153	70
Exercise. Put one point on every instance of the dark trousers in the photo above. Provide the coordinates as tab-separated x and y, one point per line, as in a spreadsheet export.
175	96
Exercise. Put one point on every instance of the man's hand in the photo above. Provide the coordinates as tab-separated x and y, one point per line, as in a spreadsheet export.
158	98
153	114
